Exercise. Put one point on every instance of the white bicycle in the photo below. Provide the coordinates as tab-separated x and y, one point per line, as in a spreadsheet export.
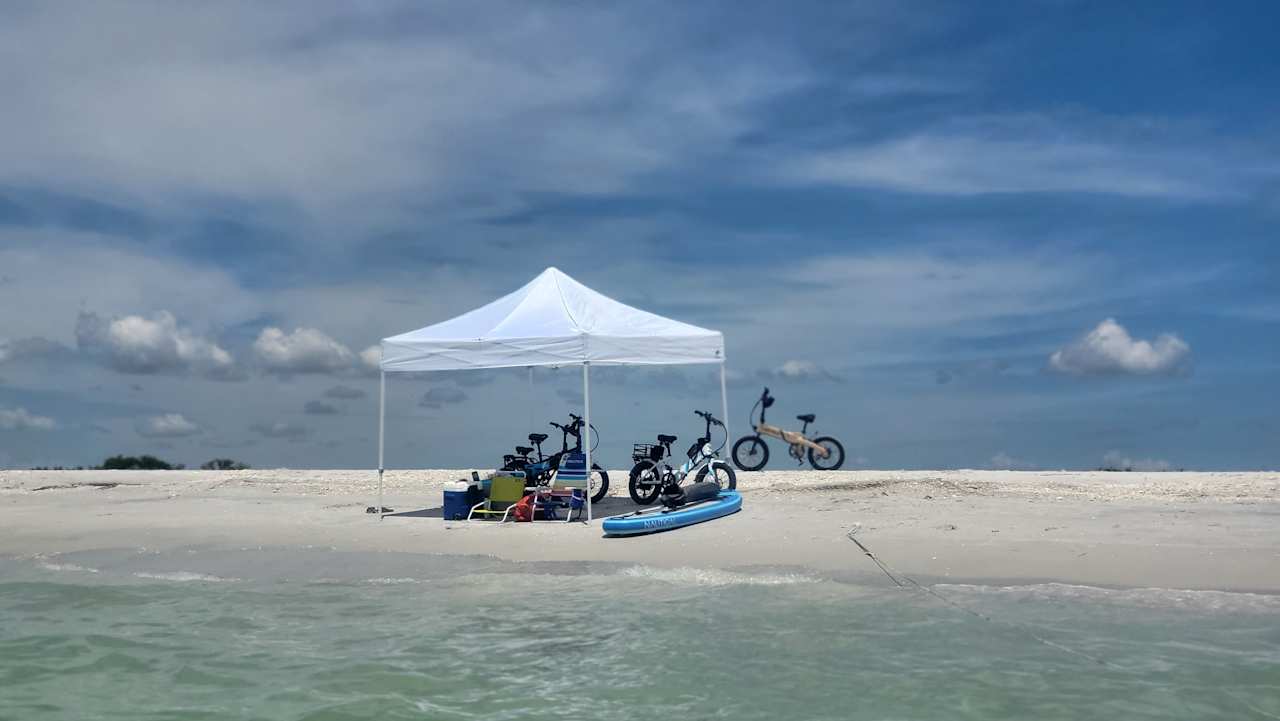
652	473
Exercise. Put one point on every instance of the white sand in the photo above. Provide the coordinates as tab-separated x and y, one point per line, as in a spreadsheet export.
1170	530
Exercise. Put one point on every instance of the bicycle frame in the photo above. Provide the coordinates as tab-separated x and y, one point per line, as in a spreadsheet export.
705	457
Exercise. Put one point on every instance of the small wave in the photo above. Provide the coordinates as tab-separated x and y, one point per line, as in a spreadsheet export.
714	577
391	581
1199	600
183	576
66	567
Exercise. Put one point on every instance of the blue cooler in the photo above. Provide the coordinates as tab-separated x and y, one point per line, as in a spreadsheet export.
458	503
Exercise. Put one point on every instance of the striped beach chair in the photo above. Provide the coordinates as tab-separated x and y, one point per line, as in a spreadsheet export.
568	487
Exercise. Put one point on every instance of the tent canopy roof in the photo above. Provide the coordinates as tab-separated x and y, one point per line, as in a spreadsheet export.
552	320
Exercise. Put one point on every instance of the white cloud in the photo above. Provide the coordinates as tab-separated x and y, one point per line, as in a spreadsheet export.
281	429
18	419
1017	154
134	344
168	425
113	278
305	350
1004	462
333	108
1117	461
800	370
371	357
1109	349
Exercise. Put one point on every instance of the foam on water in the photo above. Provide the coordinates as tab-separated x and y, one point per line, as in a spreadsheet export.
184	577
1155	598
712	577
69	567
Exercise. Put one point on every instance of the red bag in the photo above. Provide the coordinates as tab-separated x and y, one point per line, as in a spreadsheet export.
523	512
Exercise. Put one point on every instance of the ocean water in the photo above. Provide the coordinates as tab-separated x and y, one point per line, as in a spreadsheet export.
274	634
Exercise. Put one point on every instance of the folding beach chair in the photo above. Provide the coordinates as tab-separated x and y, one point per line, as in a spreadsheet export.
569	486
504	493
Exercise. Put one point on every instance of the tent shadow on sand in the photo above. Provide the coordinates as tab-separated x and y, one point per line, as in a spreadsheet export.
606	507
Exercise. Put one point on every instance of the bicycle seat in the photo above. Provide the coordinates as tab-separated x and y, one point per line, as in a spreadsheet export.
536	438
807	418
524	450
664	439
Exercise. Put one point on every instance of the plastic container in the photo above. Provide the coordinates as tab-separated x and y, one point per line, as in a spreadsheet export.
457	504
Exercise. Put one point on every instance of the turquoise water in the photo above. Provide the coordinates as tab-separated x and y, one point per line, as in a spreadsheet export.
317	635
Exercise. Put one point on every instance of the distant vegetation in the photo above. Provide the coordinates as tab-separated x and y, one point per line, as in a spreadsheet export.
223	464
138	463
150	463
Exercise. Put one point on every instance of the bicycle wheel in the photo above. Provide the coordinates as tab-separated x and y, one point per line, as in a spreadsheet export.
644	484
598	482
835	454
721	473
750	453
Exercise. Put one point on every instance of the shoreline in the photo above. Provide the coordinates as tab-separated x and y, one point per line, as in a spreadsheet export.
1174	530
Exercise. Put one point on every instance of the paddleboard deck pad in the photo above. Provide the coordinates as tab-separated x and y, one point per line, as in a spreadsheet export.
653	520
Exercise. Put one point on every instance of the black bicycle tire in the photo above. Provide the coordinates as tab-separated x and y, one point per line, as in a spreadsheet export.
733	477
604	483
631	485
839	446
764	456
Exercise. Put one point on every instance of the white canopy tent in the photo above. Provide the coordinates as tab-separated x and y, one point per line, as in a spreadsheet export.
552	321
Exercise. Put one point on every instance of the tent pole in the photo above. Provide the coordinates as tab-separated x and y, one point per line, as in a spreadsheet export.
586	432
382	422
531	398
724	407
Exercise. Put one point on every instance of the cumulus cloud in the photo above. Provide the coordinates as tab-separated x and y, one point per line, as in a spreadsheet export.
441	396
305	350
135	344
1117	461
34	347
18	419
282	430
168	425
1109	350
371	358
341	392
319	408
1004	462
799	370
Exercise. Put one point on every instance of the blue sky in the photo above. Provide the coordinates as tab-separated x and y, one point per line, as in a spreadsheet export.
1029	235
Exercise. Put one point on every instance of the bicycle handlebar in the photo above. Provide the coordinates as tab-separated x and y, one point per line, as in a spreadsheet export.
706	415
571	429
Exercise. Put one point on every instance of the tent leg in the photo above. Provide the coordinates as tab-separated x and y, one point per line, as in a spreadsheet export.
531	398
382	422
724	408
586	432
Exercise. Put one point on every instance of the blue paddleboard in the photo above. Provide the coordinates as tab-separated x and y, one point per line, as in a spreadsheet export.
661	519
